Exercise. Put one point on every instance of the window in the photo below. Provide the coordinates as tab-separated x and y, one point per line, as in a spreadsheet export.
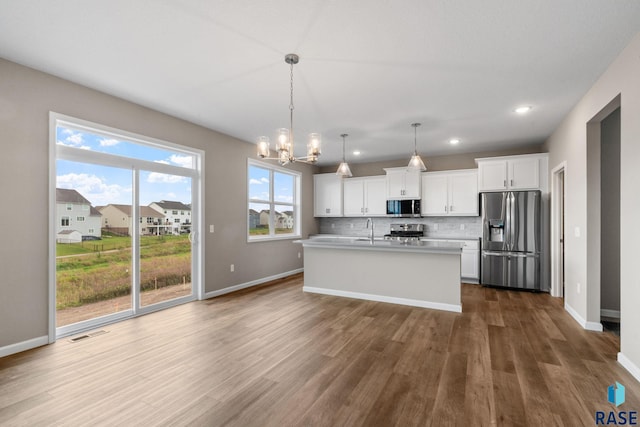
174	212
85	207
65	221
273	202
91	231
69	207
149	220
80	218
177	220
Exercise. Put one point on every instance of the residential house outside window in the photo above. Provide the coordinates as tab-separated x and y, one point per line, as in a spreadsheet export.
65	221
273	202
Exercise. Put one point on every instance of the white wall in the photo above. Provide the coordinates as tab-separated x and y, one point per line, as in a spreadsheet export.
569	143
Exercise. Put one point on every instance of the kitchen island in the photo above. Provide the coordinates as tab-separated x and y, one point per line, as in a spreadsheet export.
423	274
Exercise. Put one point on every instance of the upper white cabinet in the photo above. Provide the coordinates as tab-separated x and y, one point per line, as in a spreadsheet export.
365	196
525	172
451	193
402	183
327	195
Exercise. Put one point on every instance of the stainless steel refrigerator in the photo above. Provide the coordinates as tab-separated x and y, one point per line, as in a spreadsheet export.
511	239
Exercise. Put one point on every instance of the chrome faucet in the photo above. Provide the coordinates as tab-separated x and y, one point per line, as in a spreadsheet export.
370	221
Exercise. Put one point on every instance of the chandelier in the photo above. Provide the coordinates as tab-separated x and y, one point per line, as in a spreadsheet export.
416	162
284	145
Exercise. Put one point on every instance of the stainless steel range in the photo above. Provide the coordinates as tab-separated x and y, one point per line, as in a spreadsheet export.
405	232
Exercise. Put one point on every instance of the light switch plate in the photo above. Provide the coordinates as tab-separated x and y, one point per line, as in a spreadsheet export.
576	231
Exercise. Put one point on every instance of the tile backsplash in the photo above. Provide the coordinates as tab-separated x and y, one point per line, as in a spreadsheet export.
440	227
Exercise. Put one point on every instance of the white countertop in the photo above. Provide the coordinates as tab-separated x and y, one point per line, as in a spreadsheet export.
363	243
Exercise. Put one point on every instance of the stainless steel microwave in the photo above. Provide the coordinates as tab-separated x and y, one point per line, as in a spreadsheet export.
403	208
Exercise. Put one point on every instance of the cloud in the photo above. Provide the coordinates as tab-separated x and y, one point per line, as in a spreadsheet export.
184	161
94	189
74	139
164	162
286	199
109	142
163	178
254	181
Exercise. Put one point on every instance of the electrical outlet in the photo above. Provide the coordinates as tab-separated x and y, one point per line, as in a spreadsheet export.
461	226
578	288
232	268
333	225
576	231
299	255
211	228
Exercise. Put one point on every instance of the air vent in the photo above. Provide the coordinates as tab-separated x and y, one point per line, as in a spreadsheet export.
89	335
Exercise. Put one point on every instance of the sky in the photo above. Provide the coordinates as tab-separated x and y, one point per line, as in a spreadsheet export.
102	185
283	185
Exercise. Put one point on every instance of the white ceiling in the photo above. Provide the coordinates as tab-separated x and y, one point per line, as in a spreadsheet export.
367	67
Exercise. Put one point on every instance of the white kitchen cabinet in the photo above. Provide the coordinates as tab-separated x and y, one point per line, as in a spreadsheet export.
451	193
402	183
327	195
512	172
469	259
365	196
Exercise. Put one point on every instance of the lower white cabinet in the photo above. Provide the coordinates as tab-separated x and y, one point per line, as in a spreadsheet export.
469	260
365	196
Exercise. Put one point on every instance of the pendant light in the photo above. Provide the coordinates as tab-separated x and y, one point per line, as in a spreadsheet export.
416	162
344	170
284	145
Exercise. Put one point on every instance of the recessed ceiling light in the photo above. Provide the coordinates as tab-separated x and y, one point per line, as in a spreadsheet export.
523	110
356	153
454	141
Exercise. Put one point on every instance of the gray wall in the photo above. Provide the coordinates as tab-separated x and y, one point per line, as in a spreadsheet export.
568	143
26	97
434	163
610	212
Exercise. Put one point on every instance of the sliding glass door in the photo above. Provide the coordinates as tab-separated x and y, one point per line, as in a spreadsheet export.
125	225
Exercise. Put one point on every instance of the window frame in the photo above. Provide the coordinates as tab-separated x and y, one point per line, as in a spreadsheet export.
296	205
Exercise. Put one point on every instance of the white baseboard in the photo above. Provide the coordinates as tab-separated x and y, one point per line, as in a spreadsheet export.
393	300
614	314
629	365
240	286
589	326
23	346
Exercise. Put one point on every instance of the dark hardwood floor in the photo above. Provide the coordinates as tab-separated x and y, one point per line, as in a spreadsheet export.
275	356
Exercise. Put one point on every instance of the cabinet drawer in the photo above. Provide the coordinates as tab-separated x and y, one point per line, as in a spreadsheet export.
471	244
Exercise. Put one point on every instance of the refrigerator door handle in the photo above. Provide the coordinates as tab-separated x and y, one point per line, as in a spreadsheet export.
507	222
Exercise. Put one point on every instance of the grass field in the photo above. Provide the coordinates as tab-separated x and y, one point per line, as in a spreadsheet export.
99	270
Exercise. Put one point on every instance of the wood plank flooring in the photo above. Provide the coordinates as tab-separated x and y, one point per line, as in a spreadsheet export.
275	356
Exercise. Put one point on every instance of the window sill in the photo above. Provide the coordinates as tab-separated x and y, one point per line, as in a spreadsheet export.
273	238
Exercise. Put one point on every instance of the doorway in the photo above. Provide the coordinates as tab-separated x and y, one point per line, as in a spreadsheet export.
125	214
610	218
557	229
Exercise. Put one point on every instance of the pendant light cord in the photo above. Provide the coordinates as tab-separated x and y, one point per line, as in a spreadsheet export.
291	112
